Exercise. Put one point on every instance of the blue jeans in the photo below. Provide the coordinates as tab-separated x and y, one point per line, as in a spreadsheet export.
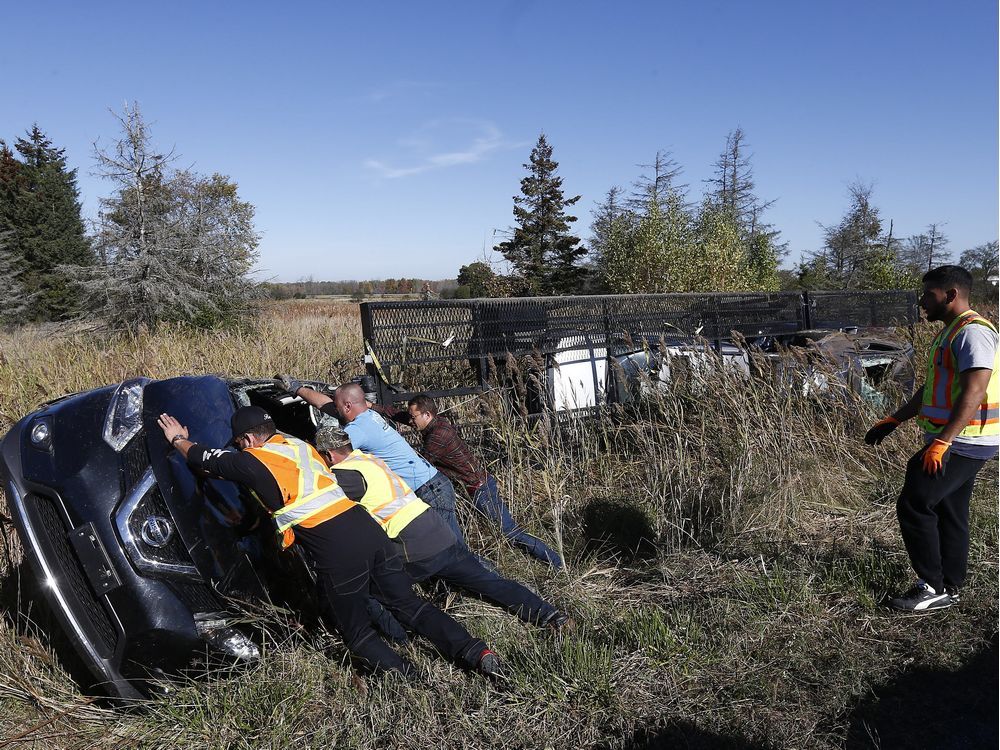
488	502
460	567
439	493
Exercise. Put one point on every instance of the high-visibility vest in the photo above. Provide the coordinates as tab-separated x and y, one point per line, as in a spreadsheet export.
310	492
387	497
942	389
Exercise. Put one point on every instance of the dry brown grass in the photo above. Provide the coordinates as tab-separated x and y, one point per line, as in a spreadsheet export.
729	546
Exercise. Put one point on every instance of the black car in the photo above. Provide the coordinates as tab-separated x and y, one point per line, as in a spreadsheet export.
141	560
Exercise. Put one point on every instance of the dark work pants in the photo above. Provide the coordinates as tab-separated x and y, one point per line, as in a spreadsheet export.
367	564
460	567
933	514
439	493
488	502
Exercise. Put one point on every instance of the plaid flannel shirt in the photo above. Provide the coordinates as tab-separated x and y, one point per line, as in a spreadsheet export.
444	447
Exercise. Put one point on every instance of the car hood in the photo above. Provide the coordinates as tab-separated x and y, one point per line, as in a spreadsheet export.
223	529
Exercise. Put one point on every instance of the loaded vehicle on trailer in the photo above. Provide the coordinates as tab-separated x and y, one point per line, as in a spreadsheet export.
591	352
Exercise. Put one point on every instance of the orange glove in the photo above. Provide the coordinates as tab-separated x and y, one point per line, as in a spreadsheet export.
934	457
880	430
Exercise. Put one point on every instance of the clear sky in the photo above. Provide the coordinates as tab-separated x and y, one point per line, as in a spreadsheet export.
386	139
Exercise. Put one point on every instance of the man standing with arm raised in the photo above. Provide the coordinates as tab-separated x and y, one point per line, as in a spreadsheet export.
958	409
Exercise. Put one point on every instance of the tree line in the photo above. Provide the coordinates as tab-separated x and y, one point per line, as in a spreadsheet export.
305	288
170	244
658	237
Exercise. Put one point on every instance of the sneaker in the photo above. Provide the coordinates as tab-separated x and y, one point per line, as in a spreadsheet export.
559	623
489	665
955	593
921	598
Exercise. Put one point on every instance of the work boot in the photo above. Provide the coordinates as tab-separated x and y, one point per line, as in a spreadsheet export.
921	597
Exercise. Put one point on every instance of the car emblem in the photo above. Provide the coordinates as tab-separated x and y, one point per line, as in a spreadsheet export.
157	531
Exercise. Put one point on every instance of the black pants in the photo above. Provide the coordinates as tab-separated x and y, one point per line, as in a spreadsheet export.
367	564
933	514
458	566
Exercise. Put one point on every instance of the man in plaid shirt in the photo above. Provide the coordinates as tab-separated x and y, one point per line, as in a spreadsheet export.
444	448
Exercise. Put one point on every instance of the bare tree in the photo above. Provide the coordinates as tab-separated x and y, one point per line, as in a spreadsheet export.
925	251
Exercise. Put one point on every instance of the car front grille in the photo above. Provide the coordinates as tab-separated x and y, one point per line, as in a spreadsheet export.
69	573
174	552
134	461
197	596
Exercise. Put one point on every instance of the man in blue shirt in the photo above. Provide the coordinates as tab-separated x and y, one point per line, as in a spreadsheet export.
370	433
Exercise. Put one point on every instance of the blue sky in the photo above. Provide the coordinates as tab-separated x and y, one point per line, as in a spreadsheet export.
388	140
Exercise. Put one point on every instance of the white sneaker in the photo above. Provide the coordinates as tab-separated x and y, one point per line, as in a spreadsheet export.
921	598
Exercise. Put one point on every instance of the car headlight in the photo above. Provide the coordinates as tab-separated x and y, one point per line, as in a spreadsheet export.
41	435
124	419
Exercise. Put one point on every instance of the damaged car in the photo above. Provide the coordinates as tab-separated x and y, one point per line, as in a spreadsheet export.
143	563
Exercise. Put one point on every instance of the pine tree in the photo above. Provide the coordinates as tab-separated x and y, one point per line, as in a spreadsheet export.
545	256
925	251
13	299
849	245
41	209
733	194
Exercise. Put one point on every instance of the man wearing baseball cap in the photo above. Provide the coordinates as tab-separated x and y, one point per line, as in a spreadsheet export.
349	552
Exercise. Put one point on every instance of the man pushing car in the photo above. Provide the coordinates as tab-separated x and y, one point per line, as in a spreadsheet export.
349	552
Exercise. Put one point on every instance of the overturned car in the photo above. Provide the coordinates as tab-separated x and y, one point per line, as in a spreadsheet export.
141	561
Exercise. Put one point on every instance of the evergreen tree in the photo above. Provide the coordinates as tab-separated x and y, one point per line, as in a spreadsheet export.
545	256
13	298
849	244
40	206
174	246
732	195
883	269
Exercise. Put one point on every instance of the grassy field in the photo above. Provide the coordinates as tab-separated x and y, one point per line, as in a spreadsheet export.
729	548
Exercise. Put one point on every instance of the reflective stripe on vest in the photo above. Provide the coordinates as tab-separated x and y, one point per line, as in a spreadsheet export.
310	493
387	497
942	388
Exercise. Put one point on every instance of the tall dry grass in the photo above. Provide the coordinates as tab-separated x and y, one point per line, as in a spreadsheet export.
729	543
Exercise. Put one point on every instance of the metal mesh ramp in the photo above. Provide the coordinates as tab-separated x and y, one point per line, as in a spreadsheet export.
425	345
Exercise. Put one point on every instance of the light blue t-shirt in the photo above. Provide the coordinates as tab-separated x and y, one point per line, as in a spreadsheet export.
370	433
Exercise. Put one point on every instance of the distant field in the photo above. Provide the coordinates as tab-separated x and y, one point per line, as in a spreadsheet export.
729	547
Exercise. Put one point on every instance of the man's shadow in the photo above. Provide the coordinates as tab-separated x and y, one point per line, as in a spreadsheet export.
616	528
931	708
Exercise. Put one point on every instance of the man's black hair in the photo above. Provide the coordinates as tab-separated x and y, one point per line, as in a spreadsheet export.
265	430
949	277
424	403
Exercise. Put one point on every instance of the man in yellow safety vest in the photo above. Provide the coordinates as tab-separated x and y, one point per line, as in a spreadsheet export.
429	548
958	409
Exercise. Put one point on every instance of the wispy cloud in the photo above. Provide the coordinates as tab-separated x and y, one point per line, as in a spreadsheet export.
428	149
399	88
